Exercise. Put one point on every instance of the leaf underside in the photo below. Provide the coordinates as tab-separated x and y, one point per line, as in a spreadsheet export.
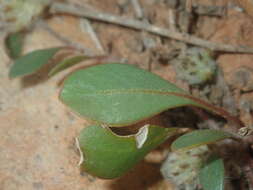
107	155
68	62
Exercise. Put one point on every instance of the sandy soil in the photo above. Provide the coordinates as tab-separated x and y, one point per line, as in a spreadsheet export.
37	143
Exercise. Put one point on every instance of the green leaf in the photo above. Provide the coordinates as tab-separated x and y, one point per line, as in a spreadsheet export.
198	138
121	94
66	63
108	155
32	62
212	174
14	44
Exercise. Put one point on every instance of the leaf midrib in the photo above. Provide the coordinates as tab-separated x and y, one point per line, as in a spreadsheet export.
136	91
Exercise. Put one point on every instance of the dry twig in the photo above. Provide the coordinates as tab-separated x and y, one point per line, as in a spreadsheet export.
85	23
65	40
172	19
188	6
62	8
217	11
137	8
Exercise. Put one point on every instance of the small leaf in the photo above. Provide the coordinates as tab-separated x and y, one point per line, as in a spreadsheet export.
122	94
32	62
108	155
211	176
198	138
66	63
14	44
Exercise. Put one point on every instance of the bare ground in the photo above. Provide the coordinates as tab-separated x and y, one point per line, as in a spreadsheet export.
37	144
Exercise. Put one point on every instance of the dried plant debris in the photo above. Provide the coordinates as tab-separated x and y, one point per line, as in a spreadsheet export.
225	96
247	5
63	8
17	15
246	104
182	168
183	17
217	92
123	5
209	10
195	65
243	79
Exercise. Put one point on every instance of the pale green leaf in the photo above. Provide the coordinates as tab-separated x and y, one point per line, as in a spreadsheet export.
198	138
120	94
212	175
31	62
107	155
66	63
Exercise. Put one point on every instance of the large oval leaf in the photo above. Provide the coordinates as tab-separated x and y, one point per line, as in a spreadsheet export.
32	62
198	138
211	176
107	155
121	94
